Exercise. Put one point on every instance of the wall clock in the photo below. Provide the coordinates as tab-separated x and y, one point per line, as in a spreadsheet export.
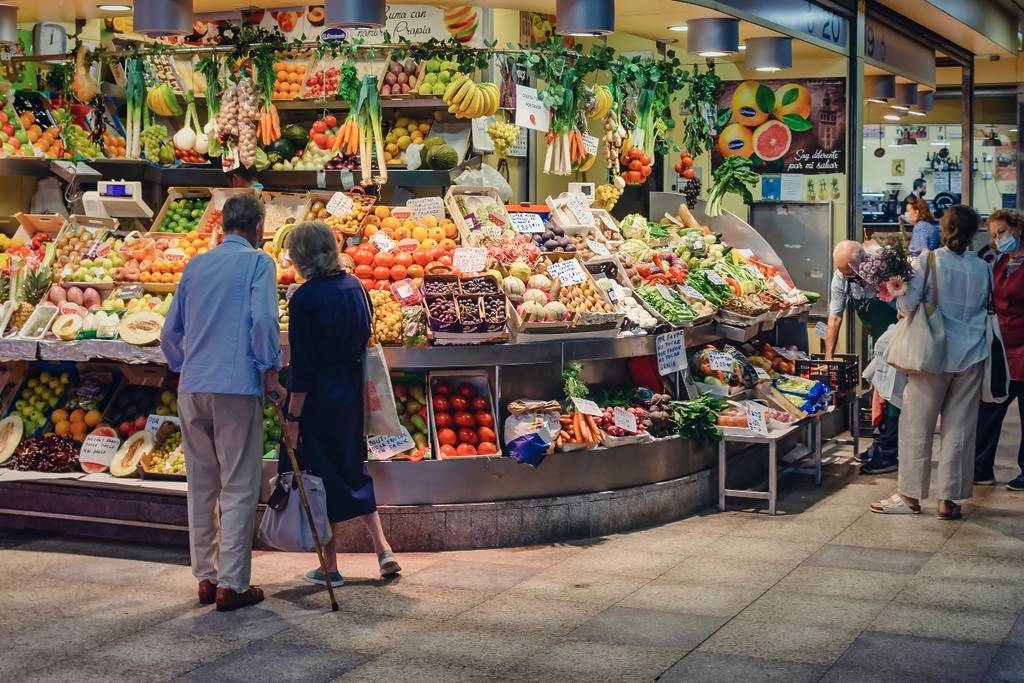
49	38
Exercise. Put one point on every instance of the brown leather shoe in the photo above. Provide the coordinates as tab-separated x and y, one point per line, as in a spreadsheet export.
228	599
207	592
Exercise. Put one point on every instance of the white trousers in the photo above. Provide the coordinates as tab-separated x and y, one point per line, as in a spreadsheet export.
223	439
956	397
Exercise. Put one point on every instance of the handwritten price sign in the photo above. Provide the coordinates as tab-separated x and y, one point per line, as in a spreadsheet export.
671	348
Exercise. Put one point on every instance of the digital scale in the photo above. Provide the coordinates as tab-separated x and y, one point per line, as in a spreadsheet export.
117	199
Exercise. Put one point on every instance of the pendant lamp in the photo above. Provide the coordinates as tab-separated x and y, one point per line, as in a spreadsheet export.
8	25
769	54
716	37
879	89
584	17
906	96
356	14
925	101
155	18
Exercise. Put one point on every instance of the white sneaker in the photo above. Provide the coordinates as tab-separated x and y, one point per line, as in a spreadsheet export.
388	564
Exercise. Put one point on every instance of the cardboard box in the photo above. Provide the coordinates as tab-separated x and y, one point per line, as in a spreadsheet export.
175	193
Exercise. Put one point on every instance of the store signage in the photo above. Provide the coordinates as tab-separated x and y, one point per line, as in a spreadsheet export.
568	272
898	53
762	374
671	349
99	449
624	420
383	242
805	132
530	111
422	207
469	259
386	446
598	248
692	293
589	143
756	419
527	222
579	206
714	278
585	406
340	203
803	18
721	361
155	422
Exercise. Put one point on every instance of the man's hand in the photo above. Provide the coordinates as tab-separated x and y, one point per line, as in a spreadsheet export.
272	388
835	323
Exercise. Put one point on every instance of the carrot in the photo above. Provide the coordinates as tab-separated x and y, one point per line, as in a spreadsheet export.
353	141
339	138
275	123
576	424
594	429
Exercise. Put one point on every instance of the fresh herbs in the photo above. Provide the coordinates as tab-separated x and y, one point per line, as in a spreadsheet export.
702	117
573	386
698	419
734	175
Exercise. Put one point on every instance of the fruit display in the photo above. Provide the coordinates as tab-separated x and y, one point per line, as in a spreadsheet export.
636	166
667	302
584	298
503	135
167	457
691	190
321	82
437	75
272	430
387	317
18	138
130	408
158	259
135	447
50	453
607	195
31	285
39	396
282	308
155	145
190	156
411	403
463	416
182	214
289	78
86	254
141	327
400	78
114	145
75	423
405	132
607	422
77	140
467	99
12	428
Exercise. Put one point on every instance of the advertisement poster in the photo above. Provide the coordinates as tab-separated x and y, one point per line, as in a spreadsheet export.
1006	162
537	27
783	126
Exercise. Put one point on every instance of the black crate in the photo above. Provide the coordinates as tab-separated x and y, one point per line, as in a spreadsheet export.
842	373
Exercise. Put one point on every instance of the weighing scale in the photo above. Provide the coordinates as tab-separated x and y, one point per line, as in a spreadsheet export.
116	199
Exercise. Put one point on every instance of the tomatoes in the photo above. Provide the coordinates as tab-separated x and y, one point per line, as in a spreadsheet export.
443	388
381	273
398	272
441	404
384	259
404	259
446	436
363	257
481	403
486	448
422	256
442	419
486	434
689	173
467	390
459	402
320	140
330	121
466	449
448	450
467	435
318	127
484	419
463	419
415	270
364	272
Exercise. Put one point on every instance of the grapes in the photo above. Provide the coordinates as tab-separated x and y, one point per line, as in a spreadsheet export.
504	135
153	138
691	191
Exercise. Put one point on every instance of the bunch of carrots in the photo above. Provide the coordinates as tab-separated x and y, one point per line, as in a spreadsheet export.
269	127
577	429
576	151
347	139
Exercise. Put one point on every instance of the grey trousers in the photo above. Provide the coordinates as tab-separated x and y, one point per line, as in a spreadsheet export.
223	438
956	397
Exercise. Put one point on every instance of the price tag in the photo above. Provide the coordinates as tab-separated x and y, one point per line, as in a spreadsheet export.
99	449
398	213
692	293
174	254
671	348
780	283
745	253
721	361
754	272
598	248
155	422
340	204
762	374
579	206
383	242
665	292
426	206
714	278
530	111
129	291
757	421
469	259
386	446
321	179
568	272
589	143
527	222
820	329
585	406
624	420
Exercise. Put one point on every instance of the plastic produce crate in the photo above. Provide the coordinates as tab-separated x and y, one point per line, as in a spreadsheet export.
842	373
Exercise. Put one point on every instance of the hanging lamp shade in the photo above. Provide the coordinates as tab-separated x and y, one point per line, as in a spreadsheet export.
584	17
769	54
879	88
906	95
716	37
8	25
925	100
156	18
356	13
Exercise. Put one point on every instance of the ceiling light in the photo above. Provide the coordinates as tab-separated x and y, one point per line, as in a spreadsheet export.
906	95
914	112
871	99
926	100
155	18
8	25
891	117
714	37
769	54
679	27
355	14
113	7
899	107
584	17
880	89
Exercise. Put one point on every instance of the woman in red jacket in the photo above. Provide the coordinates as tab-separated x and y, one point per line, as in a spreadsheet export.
1005	227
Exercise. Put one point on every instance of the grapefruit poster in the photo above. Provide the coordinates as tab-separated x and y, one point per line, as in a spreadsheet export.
784	126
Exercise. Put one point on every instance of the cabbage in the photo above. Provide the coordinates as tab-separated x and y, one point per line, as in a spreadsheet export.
634	226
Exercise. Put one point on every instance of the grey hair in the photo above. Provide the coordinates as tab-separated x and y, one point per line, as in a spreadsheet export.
242	213
313	250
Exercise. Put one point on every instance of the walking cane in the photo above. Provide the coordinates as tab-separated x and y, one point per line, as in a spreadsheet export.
309	513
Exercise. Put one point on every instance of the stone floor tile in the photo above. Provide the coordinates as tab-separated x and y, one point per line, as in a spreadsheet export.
888	560
987	540
523	615
707	598
774	551
589	661
823	610
941	622
920	533
259	621
646	565
648	627
878	656
1007	666
274	660
812	579
711	667
952	566
713	522
369	633
399	598
532	556
673	541
399	666
471	642
750	572
785	640
475	576
957	594
565	584
793	528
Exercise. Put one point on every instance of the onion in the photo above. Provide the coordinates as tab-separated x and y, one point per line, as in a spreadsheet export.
202	145
185	139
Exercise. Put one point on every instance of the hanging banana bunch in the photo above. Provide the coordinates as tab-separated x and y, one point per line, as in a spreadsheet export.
602	102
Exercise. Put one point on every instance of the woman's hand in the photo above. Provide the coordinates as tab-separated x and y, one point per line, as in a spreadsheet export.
291	432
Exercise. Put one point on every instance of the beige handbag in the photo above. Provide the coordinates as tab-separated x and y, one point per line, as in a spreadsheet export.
919	340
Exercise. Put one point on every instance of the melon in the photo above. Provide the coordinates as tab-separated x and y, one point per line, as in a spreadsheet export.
771	140
141	327
442	157
67	326
11	431
132	451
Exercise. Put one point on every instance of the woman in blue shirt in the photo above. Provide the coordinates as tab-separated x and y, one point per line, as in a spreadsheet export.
925	234
328	329
962	283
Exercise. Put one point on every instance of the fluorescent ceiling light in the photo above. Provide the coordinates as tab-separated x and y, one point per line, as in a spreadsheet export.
679	27
899	107
916	113
891	117
113	7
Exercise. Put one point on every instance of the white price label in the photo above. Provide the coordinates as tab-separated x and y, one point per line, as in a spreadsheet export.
400	214
175	254
692	293
589	143
754	272
155	422
530	111
780	283
598	248
568	272
386	446
820	329
721	361
665	292
762	374
426	206
757	421
624	420
579	206
745	253
527	222
340	204
469	259
585	406
671	348
99	449
715	278
383	242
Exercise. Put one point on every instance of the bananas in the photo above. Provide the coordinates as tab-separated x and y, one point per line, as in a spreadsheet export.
603	102
162	101
467	99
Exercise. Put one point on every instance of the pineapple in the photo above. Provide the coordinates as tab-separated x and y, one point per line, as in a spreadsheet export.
33	288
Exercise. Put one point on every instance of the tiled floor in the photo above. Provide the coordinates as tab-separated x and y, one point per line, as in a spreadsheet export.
825	591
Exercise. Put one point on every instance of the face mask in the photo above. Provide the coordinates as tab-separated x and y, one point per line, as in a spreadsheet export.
1007	244
907	218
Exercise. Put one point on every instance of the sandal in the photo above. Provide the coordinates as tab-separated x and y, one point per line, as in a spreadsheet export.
955	512
894	505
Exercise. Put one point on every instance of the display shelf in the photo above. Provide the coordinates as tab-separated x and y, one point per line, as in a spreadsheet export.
29	166
335	104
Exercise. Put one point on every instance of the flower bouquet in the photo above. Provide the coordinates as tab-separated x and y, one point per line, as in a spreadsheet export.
887	269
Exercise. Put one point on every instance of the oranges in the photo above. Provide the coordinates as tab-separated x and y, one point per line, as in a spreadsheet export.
92	418
289	77
381	212
76	424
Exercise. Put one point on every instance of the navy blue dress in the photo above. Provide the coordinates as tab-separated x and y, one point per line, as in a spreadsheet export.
329	326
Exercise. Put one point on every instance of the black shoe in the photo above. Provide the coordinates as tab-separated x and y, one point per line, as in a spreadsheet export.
863	457
880	466
1017	484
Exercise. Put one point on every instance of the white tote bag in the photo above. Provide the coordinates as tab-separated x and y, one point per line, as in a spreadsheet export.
919	340
285	526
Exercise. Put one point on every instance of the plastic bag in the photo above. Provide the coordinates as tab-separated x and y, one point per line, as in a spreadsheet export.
414	329
486	176
379	414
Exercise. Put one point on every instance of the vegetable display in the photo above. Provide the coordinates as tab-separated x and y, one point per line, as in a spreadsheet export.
698	419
